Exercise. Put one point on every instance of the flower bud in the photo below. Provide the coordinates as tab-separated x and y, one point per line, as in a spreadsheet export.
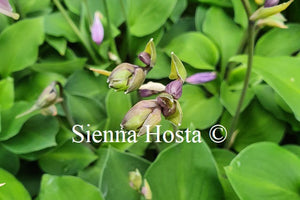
135	179
167	104
49	111
145	58
97	29
5	8
151	88
146	190
48	97
126	77
175	88
271	3
146	112
202	77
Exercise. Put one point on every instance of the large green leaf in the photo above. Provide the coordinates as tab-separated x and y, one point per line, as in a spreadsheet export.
267	171
15	53
189	169
117	105
66	188
10	123
37	133
145	17
116	175
283	75
7	93
279	42
9	161
222	29
195	49
31	6
197	109
57	25
12	189
256	125
224	3
67	159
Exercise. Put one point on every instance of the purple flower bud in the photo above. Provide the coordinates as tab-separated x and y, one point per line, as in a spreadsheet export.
6	9
271	3
175	88
167	104
151	88
146	190
97	29
145	58
202	77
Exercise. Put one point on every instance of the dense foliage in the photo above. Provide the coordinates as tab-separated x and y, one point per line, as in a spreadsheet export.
50	46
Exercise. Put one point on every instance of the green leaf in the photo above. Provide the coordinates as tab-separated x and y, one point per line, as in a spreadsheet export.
31	6
74	5
9	161
67	159
37	133
279	42
14	52
230	97
66	188
10	125
295	149
177	68
223	158
116	175
223	3
256	125
178	10
145	17
162	68
195	49
240	16
58	43
200	17
57	25
61	67
117	105
12	189
194	103
222	29
189	169
267	176
7	93
283	75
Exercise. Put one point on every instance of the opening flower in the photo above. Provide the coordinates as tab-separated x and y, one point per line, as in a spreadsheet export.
202	77
6	9
97	29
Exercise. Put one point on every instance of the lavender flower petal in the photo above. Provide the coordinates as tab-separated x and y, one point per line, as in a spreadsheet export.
6	9
97	29
271	3
175	88
202	77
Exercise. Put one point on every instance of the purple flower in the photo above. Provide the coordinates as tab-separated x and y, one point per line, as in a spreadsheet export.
151	88
6	9
271	3
202	77
97	29
175	88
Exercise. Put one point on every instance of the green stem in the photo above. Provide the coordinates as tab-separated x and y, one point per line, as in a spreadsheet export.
128	32
76	30
251	34
247	8
113	46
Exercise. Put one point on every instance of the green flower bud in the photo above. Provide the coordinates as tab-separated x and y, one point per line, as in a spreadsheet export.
146	190
143	113
48	97
135	179
126	77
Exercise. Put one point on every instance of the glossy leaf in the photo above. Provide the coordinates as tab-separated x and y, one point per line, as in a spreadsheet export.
12	189
9	161
145	18
67	159
272	43
256	169
185	168
195	49
194	103
116	175
67	187
15	45
37	133
6	93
